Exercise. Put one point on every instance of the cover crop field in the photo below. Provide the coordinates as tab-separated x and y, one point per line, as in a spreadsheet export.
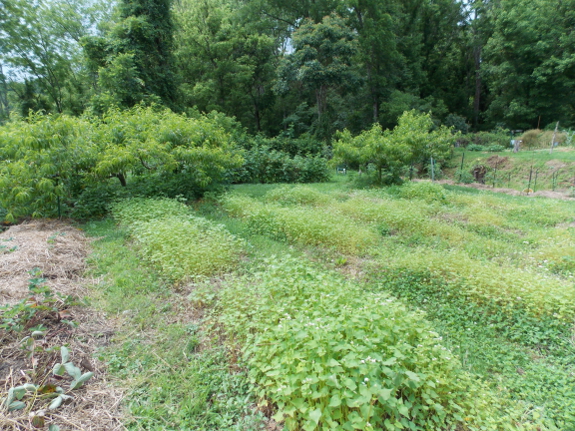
492	273
326	307
412	307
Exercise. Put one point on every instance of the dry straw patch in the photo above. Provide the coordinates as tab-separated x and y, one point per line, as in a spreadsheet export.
58	250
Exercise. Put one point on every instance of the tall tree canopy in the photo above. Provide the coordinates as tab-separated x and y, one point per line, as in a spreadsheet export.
295	67
134	61
530	63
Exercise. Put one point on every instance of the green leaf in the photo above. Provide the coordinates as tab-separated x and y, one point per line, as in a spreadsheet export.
10	397
315	415
403	410
59	370
16	405
78	382
413	376
72	370
19	392
335	401
65	354
278	417
57	402
53	427
332	363
385	394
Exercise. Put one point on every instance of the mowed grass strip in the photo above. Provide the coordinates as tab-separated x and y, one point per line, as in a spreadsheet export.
175	374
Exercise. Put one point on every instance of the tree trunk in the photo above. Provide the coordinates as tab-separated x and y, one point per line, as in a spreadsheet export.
122	179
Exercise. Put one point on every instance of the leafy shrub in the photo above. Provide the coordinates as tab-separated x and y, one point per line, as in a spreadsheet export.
309	226
457	122
331	356
391	151
40	160
495	137
48	159
424	190
264	165
95	200
475	147
464	176
495	148
303	146
178	244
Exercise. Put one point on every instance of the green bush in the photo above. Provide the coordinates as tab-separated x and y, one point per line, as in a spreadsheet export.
330	356
47	160
495	148
391	152
178	244
265	165
303	146
495	137
464	176
475	147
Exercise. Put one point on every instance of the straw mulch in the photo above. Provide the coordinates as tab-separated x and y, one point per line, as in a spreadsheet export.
56	251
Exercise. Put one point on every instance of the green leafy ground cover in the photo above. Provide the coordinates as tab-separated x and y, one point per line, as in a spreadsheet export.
493	275
493	272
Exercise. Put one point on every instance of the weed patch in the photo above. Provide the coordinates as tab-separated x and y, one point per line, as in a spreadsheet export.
178	244
307	226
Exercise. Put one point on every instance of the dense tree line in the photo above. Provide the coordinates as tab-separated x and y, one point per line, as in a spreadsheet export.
295	68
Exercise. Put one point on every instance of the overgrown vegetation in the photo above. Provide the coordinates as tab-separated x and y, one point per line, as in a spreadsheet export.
48	162
178	244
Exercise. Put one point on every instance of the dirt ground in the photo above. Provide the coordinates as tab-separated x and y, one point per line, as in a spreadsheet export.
56	252
564	195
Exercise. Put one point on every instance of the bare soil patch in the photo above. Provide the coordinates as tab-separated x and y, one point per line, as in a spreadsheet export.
556	164
558	194
55	252
498	162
